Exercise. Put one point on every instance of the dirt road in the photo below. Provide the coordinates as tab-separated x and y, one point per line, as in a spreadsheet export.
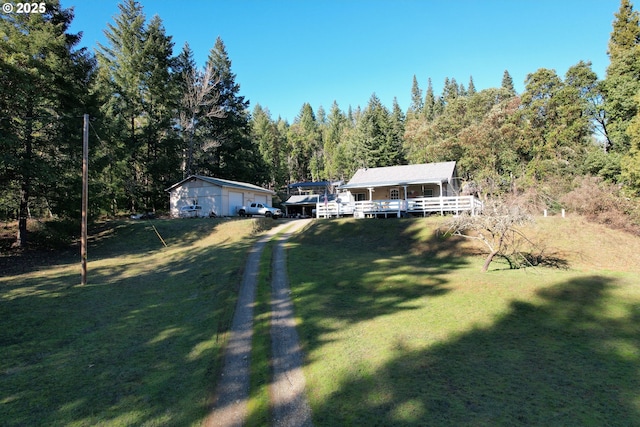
289	404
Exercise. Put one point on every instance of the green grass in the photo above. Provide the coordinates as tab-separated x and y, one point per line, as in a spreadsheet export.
258	405
400	327
139	345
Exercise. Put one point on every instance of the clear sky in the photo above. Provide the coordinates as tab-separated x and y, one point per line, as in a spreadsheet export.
286	53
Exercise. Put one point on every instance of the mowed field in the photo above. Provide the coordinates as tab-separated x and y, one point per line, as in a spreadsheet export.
140	344
398	324
401	328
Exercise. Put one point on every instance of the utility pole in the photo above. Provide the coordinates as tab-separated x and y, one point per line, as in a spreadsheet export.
85	196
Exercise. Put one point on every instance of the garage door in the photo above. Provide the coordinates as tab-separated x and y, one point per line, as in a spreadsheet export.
235	201
260	199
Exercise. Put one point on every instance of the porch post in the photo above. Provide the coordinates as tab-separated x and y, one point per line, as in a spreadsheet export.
406	201
441	201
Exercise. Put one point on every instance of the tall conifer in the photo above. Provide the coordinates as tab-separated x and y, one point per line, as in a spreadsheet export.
622	82
44	94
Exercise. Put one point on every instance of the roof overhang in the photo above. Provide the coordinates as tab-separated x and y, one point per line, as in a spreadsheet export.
222	183
394	183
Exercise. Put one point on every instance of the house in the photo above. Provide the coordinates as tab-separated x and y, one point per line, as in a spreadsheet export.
403	190
221	197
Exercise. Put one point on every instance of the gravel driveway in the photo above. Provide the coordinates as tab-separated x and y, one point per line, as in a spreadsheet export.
288	401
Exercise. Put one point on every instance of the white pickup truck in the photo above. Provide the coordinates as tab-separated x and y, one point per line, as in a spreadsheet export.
260	209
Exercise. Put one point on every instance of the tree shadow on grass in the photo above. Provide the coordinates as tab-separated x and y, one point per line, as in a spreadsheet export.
359	270
112	238
568	360
123	350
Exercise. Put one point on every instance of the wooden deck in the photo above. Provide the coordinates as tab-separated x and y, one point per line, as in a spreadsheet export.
389	208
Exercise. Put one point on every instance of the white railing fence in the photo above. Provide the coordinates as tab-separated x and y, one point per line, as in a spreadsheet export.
423	205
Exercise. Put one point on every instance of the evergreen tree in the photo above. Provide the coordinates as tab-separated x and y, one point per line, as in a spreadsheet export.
200	98
556	125
622	82
321	116
271	143
160	101
228	151
471	90
507	83
44	80
140	101
396	133
417	104
304	142
375	134
451	90
430	103
631	161
335	163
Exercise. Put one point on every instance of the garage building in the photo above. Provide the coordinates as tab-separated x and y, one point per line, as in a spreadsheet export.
220	196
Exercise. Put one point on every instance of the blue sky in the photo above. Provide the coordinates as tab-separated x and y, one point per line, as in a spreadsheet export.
286	53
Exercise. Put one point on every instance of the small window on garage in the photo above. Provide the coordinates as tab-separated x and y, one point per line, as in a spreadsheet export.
394	194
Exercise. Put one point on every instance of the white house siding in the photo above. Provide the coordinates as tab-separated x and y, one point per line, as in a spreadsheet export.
260	198
222	196
196	192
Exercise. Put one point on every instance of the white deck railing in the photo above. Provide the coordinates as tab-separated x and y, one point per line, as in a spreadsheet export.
421	205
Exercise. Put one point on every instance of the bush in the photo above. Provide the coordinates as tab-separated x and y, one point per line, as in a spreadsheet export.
602	203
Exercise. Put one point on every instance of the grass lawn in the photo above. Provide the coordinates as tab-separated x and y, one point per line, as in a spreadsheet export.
401	328
139	345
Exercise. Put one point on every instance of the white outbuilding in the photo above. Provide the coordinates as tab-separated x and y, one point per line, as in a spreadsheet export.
219	196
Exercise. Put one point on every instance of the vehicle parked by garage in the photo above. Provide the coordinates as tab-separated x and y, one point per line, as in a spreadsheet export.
260	209
190	211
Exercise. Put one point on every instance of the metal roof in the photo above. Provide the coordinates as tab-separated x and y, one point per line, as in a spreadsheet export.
425	173
222	183
308	199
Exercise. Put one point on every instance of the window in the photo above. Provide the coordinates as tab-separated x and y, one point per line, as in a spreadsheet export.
394	194
360	197
428	192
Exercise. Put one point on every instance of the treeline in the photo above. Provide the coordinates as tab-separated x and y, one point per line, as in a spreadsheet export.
157	117
558	129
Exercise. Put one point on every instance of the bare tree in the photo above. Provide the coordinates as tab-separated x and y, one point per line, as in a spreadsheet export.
497	228
200	100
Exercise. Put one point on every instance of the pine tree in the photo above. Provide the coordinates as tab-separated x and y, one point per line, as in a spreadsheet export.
44	80
376	138
160	100
305	143
396	134
631	161
228	151
507	83
199	100
451	90
335	161
556	125
271	143
471	90
119	78
417	104
622	82
430	103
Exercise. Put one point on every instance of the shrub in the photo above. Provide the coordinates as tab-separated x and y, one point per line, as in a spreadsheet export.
602	203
